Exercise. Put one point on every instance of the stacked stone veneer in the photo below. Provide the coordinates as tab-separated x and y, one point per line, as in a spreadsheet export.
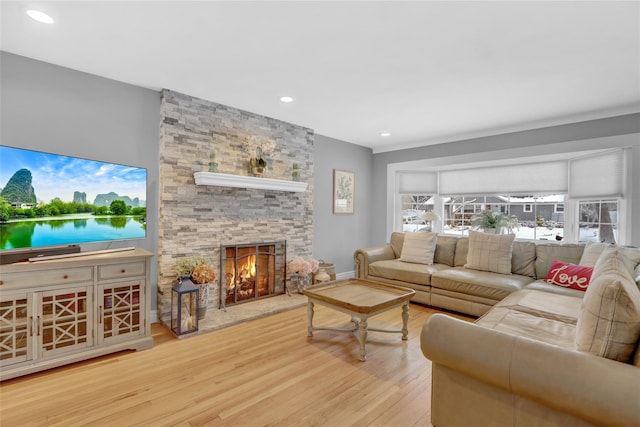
197	220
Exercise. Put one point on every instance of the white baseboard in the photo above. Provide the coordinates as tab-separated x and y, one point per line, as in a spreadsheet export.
345	275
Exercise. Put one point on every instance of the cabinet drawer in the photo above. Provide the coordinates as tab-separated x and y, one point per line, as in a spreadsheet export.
121	270
48	277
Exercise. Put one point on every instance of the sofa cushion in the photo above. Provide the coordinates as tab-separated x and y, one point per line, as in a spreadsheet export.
541	285
569	275
419	248
564	308
490	252
462	249
484	284
419	274
609	323
445	250
397	240
523	258
546	253
522	324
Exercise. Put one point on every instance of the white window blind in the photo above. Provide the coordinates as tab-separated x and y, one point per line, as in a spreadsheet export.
418	182
549	177
598	175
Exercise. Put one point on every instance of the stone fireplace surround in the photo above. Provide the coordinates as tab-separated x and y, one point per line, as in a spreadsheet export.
198	219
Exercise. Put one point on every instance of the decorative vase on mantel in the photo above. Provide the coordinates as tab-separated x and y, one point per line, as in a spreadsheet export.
258	164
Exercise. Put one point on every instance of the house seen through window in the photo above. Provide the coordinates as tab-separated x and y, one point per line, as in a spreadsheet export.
535	217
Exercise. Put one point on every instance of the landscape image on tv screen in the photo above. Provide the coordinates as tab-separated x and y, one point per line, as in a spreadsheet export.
50	200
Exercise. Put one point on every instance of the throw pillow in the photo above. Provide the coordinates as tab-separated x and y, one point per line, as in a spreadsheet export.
490	252
592	251
445	250
569	275
419	248
609	321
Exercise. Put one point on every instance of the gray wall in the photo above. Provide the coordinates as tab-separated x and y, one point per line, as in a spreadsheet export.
336	237
588	135
58	110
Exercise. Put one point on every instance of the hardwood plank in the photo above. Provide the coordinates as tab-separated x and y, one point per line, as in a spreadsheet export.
263	372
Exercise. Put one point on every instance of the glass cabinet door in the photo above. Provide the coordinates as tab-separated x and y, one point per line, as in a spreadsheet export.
16	328
121	308
65	320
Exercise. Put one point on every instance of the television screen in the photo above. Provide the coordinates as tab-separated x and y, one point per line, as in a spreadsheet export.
48	200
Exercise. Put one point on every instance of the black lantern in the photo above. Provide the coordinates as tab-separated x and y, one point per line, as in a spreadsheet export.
184	307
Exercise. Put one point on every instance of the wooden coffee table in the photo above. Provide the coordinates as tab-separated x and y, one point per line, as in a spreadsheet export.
360	299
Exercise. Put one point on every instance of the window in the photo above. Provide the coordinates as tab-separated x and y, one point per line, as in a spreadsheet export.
598	221
413	208
537	217
459	211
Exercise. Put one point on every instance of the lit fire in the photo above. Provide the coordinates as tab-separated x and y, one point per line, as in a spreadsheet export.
246	274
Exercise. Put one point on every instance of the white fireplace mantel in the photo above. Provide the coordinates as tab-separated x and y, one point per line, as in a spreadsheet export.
239	181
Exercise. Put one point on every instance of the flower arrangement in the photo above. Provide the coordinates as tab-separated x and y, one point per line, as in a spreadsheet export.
257	150
303	266
201	273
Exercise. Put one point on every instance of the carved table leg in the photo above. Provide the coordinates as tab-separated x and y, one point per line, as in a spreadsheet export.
405	320
310	316
362	331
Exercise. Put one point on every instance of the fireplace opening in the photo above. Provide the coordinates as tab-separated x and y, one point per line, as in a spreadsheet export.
252	271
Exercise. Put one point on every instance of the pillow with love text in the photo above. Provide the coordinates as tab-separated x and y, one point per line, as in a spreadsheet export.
569	275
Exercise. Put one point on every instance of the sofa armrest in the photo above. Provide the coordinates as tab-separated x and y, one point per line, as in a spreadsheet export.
598	390
364	257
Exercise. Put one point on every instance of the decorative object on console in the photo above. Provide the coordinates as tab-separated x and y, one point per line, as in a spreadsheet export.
184	307
343	191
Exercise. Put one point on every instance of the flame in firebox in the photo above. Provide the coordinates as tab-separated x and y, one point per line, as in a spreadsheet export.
246	271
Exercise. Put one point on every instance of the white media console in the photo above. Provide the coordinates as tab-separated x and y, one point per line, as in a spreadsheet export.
69	308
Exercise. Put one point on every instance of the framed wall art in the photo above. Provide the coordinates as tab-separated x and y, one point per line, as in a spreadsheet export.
344	191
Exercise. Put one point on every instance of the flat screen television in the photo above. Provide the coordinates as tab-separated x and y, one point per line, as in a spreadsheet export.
50	203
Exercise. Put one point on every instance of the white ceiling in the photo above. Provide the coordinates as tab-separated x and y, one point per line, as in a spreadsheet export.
428	72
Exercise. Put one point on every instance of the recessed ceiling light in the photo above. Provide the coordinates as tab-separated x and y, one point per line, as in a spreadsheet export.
286	99
40	16
385	133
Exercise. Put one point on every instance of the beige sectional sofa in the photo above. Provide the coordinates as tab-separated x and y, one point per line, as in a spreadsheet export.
448	284
540	354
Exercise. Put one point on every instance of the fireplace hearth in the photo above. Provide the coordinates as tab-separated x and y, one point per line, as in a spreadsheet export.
252	271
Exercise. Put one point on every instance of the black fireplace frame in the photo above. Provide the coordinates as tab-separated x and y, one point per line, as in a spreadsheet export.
280	253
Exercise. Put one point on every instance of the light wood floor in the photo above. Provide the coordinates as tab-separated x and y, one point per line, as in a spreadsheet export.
263	372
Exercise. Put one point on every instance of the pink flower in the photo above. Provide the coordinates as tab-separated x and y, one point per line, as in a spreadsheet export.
301	266
314	264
